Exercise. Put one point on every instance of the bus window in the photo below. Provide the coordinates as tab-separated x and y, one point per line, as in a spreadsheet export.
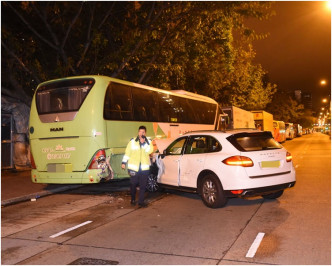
144	105
207	112
65	96
167	108
188	115
118	102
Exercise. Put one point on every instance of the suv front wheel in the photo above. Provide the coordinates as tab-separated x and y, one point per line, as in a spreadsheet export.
212	192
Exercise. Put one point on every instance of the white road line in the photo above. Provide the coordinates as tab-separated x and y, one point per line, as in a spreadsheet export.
252	250
70	229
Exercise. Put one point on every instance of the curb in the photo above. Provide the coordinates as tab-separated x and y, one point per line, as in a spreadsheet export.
37	195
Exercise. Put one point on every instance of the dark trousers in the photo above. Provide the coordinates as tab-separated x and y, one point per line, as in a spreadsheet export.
141	179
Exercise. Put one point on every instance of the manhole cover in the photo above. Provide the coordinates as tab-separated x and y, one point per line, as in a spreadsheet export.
91	261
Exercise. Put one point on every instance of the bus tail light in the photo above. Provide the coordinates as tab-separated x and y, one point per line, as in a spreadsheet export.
32	161
289	157
98	159
239	161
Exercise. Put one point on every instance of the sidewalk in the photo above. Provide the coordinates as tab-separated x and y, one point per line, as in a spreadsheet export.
16	186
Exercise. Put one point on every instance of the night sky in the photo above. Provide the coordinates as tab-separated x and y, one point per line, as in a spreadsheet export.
297	52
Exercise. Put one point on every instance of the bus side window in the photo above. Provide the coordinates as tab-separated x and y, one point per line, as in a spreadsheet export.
118	102
167	108
187	114
144	105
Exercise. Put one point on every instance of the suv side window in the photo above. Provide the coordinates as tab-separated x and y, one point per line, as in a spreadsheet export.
196	144
214	145
202	144
176	147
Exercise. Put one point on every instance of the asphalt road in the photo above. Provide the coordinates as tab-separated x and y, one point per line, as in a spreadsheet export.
95	226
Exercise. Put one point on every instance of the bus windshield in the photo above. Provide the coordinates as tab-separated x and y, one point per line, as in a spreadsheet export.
65	96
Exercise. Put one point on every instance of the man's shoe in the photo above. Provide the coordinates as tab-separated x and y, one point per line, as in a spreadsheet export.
133	203
142	205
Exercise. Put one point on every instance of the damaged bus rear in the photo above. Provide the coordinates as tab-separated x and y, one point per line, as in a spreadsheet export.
67	131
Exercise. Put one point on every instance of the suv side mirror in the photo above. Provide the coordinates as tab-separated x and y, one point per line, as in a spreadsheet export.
163	154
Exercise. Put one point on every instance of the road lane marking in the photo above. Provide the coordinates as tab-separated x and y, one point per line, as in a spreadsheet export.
254	246
70	229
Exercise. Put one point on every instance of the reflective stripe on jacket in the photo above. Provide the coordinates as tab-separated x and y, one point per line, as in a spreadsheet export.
136	154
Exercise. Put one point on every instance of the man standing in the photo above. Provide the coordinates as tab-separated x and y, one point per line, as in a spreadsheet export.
137	156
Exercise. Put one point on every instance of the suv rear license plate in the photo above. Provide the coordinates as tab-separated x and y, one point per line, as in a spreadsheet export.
270	164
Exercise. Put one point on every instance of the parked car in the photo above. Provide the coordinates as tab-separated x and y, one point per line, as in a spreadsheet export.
279	132
290	133
220	165
297	130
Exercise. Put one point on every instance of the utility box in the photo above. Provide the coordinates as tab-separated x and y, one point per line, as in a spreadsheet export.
237	118
7	141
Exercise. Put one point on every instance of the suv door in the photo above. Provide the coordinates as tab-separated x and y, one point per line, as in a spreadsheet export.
193	159
171	160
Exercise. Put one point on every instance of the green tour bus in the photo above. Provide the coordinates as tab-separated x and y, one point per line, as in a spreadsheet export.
80	126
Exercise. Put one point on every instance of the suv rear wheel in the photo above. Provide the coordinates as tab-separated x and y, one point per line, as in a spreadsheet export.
212	192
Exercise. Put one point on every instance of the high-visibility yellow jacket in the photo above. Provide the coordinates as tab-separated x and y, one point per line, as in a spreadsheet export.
137	155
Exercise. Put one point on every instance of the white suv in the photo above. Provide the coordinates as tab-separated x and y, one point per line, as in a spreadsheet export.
219	165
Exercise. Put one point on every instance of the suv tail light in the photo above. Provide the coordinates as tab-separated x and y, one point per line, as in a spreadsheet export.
32	161
99	158
239	161
289	157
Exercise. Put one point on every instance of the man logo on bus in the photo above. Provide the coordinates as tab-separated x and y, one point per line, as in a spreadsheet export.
54	129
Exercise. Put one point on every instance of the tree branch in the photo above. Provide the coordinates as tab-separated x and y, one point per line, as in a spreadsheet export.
89	38
106	16
43	17
139	44
153	59
55	38
13	55
31	28
71	25
17	92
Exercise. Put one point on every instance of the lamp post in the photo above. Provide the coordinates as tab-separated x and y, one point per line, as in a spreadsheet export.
326	115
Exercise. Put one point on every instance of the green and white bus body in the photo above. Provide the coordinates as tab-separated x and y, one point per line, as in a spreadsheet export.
79	123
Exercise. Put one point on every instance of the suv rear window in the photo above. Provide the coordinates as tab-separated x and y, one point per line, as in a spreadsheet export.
256	141
63	96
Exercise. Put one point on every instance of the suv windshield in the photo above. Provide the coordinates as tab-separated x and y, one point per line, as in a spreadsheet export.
256	141
62	96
